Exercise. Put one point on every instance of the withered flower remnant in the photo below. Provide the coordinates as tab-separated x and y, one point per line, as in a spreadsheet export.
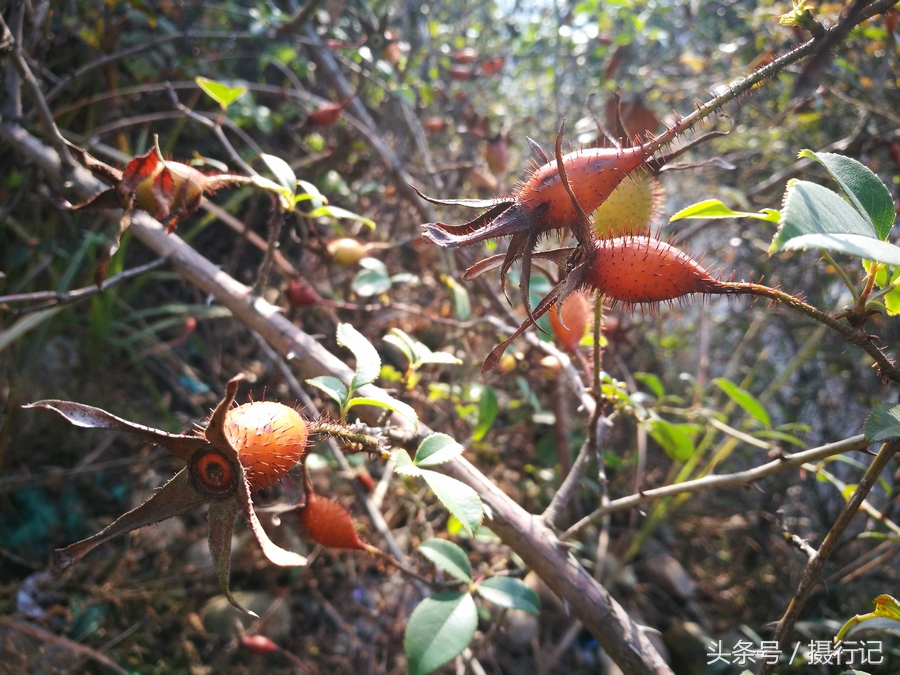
216	473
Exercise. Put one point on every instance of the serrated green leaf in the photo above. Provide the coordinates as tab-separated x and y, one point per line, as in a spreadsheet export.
331	386
863	188
404	465
448	556
856	245
674	440
392	404
282	172
438	630
220	92
488	407
812	209
713	208
883	423
338	212
368	363
437	449
745	400
510	593
373	279
459	499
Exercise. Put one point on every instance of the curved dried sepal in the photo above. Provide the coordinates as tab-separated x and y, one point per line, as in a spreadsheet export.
89	417
468	203
176	496
558	256
272	551
108	199
494	357
215	430
222	515
447	235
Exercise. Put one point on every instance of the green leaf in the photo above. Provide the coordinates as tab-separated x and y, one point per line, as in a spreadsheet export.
438	630
511	593
812	209
437	449
460	500
368	363
488	407
416	352
856	245
863	188
311	193
713	208
674	440
220	92
746	400
652	382
462	308
403	342
373	279
282	172
448	556
331	386
404	465
392	404
883	423
285	196
338	212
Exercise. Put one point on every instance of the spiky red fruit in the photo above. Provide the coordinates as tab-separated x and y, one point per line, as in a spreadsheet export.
270	438
329	524
637	270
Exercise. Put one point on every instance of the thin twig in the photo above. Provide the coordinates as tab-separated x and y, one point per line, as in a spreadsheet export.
60	298
276	222
783	463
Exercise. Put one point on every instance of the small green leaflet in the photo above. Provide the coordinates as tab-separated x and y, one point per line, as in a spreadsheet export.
713	208
438	630
282	172
462	308
338	212
488	407
368	363
460	500
437	449
404	465
673	438
417	353
332	386
220	92
883	423
372	279
448	556
391	404
510	593
745	400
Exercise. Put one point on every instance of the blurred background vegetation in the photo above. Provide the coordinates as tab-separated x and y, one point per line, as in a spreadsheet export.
453	90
